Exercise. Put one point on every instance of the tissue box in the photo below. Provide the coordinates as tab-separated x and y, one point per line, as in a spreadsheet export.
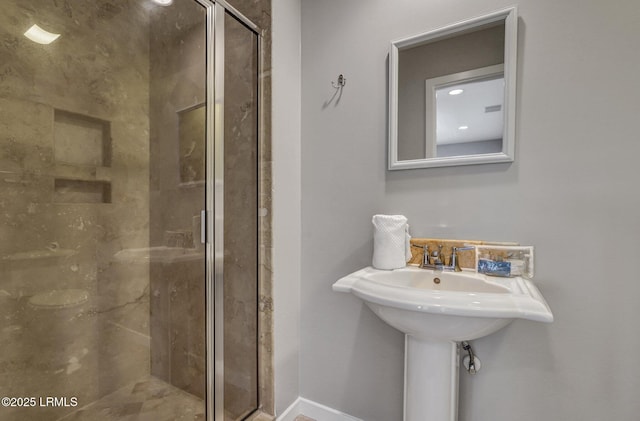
507	261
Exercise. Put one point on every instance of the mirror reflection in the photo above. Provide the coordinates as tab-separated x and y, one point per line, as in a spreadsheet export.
450	93
469	116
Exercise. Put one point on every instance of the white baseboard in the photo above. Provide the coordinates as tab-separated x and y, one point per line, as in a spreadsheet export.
313	410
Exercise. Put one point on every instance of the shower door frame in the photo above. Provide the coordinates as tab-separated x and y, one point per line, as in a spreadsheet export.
214	232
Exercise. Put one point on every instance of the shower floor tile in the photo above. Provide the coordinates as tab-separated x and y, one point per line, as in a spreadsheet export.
149	399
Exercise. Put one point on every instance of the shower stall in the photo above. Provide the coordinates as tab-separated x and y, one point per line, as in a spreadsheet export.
129	210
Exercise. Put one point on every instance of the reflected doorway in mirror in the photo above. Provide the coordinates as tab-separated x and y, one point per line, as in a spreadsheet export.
464	113
479	53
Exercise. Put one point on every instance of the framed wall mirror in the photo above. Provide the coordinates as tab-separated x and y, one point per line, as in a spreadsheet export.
452	94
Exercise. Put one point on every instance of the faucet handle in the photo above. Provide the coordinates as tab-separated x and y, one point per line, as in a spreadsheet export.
425	255
465	248
436	256
454	261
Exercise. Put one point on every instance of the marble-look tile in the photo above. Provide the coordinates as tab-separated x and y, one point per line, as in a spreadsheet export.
94	347
260	416
123	330
241	262
467	259
148	399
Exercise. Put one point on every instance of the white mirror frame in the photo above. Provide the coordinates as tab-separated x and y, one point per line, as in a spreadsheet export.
510	18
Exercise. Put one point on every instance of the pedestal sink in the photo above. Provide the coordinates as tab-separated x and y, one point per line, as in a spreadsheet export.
436	310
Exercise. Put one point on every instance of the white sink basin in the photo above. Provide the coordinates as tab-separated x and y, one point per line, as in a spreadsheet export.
436	310
450	306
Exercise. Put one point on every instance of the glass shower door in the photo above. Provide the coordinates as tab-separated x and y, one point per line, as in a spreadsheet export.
178	183
240	210
103	111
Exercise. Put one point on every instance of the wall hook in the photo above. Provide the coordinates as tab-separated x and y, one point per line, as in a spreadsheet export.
340	83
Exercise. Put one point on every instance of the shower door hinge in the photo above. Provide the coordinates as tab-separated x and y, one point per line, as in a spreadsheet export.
203	226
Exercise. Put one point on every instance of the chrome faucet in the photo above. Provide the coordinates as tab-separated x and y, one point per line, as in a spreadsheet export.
432	260
436	260
454	257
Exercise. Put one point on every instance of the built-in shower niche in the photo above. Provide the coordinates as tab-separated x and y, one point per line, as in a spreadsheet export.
81	191
82	154
81	140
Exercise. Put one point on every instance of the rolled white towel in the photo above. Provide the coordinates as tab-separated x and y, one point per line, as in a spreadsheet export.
391	248
407	246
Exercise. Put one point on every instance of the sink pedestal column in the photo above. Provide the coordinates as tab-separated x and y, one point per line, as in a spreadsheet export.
430	380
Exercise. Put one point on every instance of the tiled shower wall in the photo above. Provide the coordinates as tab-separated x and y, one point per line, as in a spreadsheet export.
240	299
259	12
57	204
177	45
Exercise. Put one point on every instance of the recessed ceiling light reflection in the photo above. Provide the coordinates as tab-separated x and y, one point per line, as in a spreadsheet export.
463	127
456	91
39	35
163	2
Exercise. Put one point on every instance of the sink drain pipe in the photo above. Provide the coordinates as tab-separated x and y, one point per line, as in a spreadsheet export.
470	361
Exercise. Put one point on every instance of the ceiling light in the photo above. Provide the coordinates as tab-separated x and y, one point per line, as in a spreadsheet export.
39	35
456	91
463	127
163	2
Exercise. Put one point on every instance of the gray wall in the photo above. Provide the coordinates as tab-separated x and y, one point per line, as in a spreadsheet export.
570	192
286	201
